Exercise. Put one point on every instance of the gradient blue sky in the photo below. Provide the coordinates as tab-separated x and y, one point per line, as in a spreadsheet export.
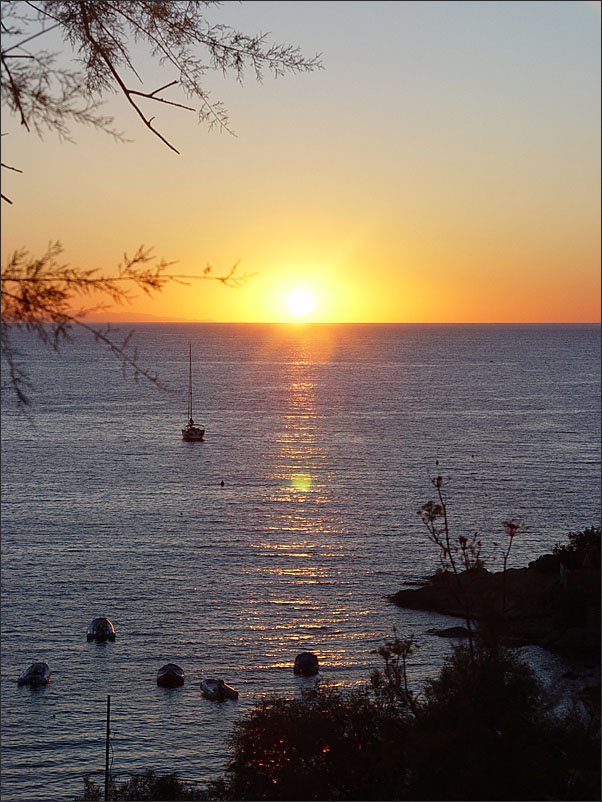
444	166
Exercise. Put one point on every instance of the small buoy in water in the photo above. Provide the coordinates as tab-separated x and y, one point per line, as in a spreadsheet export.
222	483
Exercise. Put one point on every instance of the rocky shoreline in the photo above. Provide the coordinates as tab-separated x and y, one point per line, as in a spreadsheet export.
546	604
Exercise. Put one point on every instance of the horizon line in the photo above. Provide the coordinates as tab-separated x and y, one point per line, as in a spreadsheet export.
359	322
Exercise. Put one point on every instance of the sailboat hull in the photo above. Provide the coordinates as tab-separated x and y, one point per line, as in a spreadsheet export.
193	434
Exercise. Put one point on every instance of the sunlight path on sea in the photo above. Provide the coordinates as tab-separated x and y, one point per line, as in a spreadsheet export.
325	439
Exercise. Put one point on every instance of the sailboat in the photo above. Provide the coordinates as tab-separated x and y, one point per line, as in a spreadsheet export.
191	432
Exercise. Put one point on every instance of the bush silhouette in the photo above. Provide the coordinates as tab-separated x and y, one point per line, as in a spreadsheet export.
144	786
482	730
330	744
485	731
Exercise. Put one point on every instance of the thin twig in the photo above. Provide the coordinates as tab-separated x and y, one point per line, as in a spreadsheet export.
16	94
29	38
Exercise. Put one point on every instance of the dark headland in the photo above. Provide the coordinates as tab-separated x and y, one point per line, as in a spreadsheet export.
554	602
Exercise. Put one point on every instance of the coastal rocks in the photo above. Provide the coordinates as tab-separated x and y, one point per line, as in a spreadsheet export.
529	593
541	604
450	632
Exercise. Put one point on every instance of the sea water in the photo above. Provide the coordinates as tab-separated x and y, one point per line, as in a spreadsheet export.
284	531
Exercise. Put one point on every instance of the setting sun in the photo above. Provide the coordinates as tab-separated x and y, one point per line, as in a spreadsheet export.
300	303
316	281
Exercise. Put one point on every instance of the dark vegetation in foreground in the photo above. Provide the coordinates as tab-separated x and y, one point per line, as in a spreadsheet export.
484	729
147	785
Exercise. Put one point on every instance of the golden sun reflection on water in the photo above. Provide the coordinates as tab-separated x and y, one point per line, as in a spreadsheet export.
296	602
301	482
301	553
298	439
306	573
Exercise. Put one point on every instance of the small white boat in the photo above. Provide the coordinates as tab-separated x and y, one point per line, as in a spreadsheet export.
101	629
217	690
170	676
306	664
191	433
36	674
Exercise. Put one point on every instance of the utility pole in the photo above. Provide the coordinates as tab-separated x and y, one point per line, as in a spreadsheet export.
107	747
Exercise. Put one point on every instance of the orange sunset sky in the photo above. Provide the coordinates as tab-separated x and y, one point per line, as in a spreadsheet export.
444	166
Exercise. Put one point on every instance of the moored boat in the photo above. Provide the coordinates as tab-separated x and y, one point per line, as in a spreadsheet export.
217	690
190	432
36	674
170	676
306	664
101	629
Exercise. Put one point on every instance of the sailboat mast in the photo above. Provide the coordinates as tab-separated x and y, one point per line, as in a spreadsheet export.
190	381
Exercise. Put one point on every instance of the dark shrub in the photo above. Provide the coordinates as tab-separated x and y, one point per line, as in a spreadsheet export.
582	550
485	732
571	607
145	786
482	731
330	744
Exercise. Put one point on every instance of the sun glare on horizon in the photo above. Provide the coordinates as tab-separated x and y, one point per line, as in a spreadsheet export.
300	303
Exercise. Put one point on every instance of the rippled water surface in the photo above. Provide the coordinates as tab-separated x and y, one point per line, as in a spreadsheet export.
325	439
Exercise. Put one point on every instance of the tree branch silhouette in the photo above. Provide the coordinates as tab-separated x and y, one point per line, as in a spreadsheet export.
38	295
47	94
99	33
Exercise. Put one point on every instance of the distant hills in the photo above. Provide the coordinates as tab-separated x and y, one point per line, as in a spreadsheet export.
137	317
